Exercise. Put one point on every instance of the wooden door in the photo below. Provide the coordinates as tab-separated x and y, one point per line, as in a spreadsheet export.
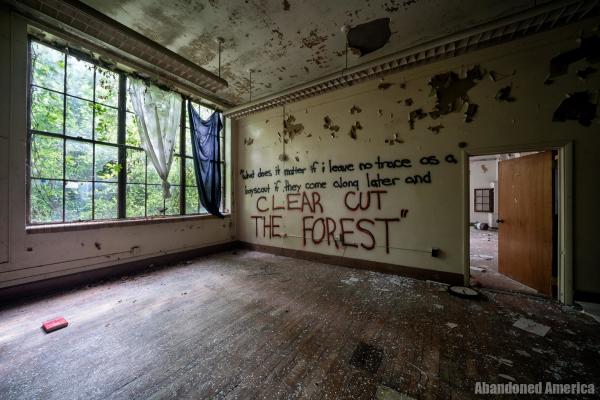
525	220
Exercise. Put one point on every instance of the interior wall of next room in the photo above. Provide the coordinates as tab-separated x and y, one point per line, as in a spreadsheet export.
483	174
337	145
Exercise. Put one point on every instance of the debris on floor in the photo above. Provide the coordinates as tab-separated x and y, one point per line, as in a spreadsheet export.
482	226
531	326
451	325
386	393
478	269
54	324
507	377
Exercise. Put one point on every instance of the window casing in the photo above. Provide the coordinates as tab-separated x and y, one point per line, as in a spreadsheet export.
85	161
484	200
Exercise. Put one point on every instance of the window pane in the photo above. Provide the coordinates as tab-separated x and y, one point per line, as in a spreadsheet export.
190	175
79	118
172	203
132	137
78	201
191	200
46	201
107	163
174	172
177	144
136	166
79	164
188	143
80	78
46	111
136	197
107	87
48	67
154	201
46	157
152	174
107	123
105	200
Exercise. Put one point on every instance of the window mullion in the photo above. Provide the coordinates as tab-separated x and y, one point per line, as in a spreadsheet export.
182	152
64	131
94	144
122	179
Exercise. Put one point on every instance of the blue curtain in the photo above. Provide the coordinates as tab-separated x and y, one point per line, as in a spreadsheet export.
207	158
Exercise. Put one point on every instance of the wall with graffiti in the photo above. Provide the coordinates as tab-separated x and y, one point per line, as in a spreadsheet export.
376	171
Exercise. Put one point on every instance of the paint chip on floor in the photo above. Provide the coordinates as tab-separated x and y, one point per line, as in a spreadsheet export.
386	393
531	327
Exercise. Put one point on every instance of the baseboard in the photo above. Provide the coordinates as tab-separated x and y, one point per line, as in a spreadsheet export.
588	297
417	273
60	283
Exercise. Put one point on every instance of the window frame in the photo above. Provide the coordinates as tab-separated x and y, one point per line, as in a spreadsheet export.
121	145
480	206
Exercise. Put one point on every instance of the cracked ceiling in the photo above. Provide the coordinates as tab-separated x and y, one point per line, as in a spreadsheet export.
288	43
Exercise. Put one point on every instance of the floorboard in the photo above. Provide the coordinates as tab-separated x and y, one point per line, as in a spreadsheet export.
249	325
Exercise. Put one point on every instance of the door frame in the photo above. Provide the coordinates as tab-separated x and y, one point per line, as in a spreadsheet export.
565	208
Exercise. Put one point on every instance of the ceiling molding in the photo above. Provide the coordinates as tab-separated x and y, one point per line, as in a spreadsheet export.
516	26
75	19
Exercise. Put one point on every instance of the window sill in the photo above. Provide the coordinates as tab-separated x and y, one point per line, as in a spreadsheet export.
80	226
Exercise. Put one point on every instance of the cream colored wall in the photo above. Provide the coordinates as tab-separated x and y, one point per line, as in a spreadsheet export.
436	213
482	173
39	256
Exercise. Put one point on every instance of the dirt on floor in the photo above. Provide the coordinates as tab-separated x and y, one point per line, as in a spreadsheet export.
249	325
484	264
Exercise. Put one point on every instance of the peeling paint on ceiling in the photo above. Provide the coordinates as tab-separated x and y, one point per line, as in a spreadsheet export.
287	43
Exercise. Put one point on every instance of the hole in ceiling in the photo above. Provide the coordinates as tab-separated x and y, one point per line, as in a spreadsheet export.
368	37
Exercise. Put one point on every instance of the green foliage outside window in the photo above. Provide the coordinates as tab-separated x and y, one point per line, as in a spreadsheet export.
74	148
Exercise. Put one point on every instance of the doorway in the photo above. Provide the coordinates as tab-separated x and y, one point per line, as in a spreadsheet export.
513	222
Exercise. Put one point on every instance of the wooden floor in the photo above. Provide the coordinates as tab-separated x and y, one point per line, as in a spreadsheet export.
250	325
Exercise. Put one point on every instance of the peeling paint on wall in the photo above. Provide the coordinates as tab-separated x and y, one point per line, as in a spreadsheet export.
504	94
451	91
576	106
589	49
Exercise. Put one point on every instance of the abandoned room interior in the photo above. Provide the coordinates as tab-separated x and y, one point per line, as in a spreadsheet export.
268	199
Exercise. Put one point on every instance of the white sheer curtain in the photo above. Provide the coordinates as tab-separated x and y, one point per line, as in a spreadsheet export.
158	115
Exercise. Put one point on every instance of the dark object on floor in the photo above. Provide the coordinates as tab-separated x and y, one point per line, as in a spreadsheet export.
482	226
435	252
589	48
464	292
577	106
504	94
55	324
462	145
368	37
367	357
471	111
384	85
408	102
584	73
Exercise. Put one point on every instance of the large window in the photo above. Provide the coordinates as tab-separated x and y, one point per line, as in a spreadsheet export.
85	157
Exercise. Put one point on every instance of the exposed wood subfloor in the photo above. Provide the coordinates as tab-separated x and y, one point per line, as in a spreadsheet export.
258	326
